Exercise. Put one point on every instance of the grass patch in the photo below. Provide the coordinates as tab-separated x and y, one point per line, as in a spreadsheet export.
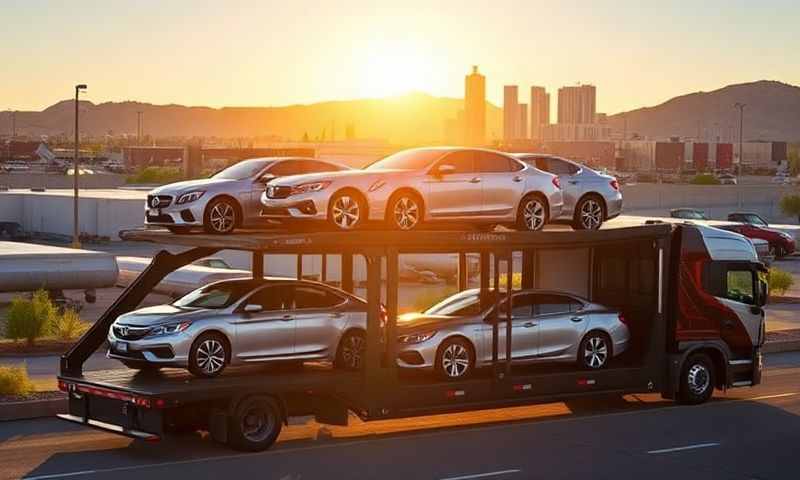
68	326
30	319
156	175
14	380
704	179
779	281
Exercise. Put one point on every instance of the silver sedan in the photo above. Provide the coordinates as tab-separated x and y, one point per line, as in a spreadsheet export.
235	322
424	185
226	201
454	336
590	197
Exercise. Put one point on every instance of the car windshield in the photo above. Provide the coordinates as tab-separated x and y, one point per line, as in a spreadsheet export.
755	220
243	170
416	159
221	295
460	304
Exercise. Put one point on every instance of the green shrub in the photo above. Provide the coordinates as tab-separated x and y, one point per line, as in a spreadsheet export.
779	281
790	205
156	175
705	179
14	380
68	326
30	319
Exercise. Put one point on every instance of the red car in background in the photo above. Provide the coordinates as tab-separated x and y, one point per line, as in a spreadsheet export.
753	225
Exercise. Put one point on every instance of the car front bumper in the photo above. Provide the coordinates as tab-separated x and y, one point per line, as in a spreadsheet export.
307	206
167	350
186	215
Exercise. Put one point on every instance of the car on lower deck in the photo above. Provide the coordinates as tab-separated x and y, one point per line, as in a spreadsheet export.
590	197
454	336
753	225
241	321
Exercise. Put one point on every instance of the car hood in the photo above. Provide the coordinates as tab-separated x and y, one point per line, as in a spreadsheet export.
188	185
417	322
291	180
149	316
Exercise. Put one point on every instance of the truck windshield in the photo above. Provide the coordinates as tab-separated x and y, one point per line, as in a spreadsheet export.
214	296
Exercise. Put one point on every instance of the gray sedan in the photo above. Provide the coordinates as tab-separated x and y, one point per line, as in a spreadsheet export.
423	185
454	336
242	321
226	201
590	197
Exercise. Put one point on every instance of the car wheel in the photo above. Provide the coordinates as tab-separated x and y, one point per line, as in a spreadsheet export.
141	366
455	359
594	351
697	380
405	211
255	424
350	354
221	216
179	230
347	211
209	355
532	215
589	214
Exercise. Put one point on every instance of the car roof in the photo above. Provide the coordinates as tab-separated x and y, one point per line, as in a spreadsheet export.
529	291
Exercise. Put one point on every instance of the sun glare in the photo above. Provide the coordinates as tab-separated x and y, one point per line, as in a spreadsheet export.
394	68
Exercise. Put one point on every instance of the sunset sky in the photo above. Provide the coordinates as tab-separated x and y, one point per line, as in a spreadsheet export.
259	53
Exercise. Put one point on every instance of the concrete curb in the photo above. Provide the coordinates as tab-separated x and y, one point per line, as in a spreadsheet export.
32	409
781	346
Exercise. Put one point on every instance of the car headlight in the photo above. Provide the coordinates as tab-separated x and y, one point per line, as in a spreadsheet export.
190	197
416	337
168	329
309	187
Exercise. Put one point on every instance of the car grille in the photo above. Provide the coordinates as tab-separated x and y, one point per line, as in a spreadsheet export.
278	191
163	218
159	201
126	332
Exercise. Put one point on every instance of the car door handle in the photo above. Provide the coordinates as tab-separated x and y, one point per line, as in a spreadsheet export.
517	179
572	182
286	318
576	319
475	180
528	324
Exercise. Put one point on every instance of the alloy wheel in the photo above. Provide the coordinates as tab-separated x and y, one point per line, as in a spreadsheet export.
595	353
591	214
533	214
353	351
222	217
346	212
698	379
455	360
406	213
210	356
257	423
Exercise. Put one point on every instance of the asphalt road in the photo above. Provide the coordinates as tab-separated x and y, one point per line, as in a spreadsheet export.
749	433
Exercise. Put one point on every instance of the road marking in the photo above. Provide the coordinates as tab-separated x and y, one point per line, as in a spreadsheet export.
484	475
778	395
687	447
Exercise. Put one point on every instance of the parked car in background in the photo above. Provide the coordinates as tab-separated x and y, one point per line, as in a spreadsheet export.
228	200
241	321
752	225
590	197
424	185
688	213
727	179
454	336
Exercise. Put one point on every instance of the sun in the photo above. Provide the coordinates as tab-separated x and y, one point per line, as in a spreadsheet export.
390	68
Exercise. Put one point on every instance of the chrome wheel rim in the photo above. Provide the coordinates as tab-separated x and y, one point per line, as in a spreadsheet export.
591	215
698	379
257	424
346	212
352	351
222	217
406	213
596	352
455	360
210	356
533	214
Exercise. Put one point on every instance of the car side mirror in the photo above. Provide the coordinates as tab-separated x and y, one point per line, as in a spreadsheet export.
253	308
445	169
266	178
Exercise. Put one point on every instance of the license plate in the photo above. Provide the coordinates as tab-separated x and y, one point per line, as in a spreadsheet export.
154	212
122	347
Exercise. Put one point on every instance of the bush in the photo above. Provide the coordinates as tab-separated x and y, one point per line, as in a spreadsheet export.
30	319
779	281
790	205
68	326
156	175
705	179
14	380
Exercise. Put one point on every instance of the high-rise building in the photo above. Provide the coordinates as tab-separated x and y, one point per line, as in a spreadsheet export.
522	122
475	108
540	112
510	112
577	105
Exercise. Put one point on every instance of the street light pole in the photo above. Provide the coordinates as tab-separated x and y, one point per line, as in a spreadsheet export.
740	106
76	242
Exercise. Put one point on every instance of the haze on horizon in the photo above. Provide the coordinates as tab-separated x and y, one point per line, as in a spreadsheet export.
248	53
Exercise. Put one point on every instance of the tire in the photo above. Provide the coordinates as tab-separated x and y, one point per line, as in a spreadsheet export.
589	213
255	424
346	211
532	215
595	351
405	211
209	355
697	380
350	353
221	216
141	366
455	359
179	230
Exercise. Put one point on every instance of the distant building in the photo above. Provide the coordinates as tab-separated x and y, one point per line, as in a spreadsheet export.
510	113
522	121
575	132
577	105
540	112
475	108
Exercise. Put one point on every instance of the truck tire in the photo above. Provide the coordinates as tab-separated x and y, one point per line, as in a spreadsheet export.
697	380
255	424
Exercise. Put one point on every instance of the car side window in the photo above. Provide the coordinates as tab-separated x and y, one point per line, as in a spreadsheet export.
522	307
313	166
463	161
739	286
272	298
552	304
560	167
756	220
286	167
312	297
489	162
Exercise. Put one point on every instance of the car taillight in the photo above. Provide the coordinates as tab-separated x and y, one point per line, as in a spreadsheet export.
622	319
614	184
556	182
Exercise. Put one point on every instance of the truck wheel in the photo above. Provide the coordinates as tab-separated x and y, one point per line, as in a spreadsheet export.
455	359
209	355
255	425
350	354
697	380
595	351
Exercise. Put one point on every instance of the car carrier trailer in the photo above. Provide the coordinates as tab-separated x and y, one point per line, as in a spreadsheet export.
666	279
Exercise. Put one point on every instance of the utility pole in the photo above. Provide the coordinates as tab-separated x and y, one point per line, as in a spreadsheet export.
13	125
76	242
740	106
139	128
